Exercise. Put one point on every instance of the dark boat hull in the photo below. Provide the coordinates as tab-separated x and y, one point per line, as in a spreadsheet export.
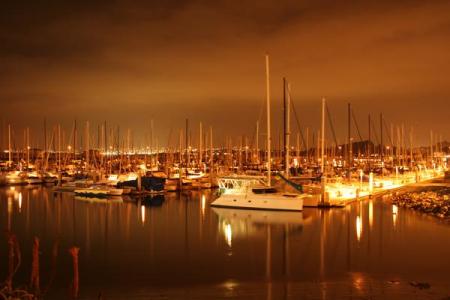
148	183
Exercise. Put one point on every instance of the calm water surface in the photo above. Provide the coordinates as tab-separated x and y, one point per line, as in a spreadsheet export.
177	247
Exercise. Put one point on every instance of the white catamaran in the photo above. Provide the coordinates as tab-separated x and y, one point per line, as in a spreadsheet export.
251	192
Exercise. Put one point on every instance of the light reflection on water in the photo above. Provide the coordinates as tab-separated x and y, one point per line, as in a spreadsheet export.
358	224
177	240
394	214
143	214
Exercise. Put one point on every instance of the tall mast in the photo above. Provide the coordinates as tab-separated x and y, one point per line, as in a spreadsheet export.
59	147
349	136
200	145
284	121
87	144
188	158
287	132
74	139
45	144
28	146
322	132
268	121
368	145
431	147
9	146
211	153
381	145
151	143
307	146
411	148
180	147
257	142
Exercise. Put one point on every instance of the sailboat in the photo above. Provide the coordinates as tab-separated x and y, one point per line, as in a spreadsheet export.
249	192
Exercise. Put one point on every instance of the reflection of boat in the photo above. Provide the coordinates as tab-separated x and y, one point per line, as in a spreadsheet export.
155	200
235	223
115	199
261	217
98	191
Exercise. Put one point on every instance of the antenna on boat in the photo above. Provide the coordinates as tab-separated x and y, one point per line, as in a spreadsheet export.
268	120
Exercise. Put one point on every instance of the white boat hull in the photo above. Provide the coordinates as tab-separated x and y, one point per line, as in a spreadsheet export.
260	201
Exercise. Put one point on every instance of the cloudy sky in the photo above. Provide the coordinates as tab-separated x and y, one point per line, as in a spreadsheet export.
127	62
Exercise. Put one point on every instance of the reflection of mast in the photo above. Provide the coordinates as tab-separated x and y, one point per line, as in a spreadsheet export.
269	263
73	222
322	243
286	260
348	242
286	250
9	213
88	230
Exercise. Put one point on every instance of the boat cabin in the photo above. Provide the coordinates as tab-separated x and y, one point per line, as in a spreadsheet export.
264	190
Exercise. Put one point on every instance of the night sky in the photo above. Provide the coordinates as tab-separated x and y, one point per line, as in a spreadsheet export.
127	62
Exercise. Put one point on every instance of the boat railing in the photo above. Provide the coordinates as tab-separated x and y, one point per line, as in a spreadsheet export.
235	185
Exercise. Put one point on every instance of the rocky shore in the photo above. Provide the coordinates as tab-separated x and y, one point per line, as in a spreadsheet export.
435	202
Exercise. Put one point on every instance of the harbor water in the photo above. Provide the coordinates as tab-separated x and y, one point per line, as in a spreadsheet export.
175	246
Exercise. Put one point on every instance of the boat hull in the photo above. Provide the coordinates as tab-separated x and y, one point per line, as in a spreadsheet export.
262	201
148	183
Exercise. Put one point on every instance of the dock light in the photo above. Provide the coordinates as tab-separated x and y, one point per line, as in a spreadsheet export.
69	147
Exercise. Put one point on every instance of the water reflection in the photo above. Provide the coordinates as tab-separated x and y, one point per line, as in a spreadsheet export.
394	214
203	205
179	240
143	214
358	228
370	214
20	202
153	200
228	233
